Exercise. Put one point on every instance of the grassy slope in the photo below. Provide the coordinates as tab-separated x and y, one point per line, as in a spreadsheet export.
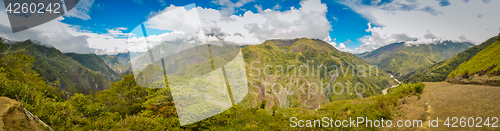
53	65
439	71
487	61
397	58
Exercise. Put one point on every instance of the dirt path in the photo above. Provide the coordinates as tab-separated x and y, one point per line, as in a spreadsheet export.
442	100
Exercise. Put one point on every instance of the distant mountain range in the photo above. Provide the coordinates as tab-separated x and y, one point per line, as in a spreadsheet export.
120	62
400	58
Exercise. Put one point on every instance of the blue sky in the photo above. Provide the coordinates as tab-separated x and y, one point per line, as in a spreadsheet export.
356	26
111	14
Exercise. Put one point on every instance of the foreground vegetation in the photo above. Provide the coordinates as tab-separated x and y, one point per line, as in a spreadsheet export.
129	106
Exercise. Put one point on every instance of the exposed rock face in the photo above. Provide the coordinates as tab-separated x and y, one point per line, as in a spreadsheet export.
12	116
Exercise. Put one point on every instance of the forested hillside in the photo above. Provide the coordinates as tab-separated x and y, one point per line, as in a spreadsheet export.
95	63
120	62
56	67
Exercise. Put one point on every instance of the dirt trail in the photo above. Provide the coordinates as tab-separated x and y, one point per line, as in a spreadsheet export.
442	100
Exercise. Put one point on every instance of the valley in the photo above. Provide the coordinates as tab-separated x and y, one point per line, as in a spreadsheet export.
399	83
403	58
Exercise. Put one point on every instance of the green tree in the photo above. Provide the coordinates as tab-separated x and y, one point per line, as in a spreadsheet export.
124	97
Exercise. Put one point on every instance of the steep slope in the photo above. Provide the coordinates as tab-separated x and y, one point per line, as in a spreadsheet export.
297	73
381	52
439	71
53	65
483	68
95	63
400	58
311	65
120	62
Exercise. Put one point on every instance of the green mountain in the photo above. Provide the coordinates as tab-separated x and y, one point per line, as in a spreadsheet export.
483	68
400	59
313	71
95	63
377	55
54	66
120	62
439	71
279	57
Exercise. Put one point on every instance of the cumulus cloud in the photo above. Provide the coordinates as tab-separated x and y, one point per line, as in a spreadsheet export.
117	32
329	40
67	38
471	21
53	33
196	24
176	19
307	21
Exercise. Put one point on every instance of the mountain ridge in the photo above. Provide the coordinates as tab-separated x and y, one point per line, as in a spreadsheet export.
400	58
439	71
54	66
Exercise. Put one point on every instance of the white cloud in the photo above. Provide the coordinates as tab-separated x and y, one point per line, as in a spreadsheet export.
254	28
176	19
53	33
329	40
178	25
427	21
117	32
250	28
65	37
